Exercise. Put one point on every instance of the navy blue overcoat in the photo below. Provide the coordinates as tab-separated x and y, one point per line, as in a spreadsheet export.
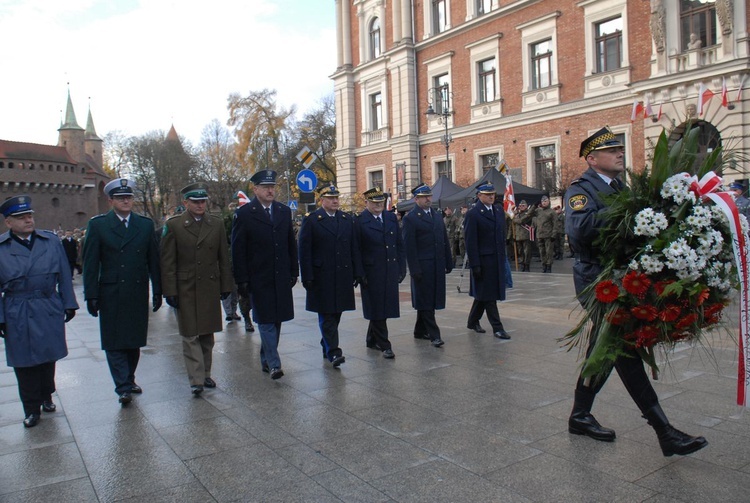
484	235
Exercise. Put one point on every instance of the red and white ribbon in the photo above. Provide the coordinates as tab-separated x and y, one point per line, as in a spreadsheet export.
725	202
709	183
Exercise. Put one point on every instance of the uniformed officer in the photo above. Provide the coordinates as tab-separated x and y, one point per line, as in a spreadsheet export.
384	263
37	300
522	222
544	218
330	262
120	255
742	202
484	228
196	275
264	254
429	257
604	155
451	222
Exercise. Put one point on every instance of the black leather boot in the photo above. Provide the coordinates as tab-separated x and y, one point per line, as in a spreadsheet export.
671	440
581	422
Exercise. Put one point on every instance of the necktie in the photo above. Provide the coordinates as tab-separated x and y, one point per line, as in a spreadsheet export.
26	242
125	222
615	184
380	221
268	212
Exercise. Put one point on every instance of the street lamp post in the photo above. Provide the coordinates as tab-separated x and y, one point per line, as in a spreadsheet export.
441	96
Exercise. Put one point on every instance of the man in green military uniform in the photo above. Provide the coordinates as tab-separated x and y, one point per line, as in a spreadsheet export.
460	234
545	217
450	220
120	255
196	275
522	222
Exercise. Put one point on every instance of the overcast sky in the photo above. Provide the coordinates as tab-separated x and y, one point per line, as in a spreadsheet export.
144	65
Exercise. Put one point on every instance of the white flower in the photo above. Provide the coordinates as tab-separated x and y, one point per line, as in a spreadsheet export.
650	264
677	188
649	223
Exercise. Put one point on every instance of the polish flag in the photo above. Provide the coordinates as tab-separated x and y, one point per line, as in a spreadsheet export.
724	97
658	116
637	110
739	91
509	198
704	96
647	110
242	198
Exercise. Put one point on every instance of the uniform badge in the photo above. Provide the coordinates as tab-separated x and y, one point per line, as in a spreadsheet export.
577	202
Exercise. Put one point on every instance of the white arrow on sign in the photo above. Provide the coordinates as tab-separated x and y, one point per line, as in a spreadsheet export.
307	181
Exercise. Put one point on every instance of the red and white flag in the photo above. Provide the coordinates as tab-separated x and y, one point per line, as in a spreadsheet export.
724	96
647	110
241	198
509	198
637	110
704	96
739	91
658	116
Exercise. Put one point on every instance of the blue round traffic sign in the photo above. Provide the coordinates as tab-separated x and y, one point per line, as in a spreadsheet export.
307	180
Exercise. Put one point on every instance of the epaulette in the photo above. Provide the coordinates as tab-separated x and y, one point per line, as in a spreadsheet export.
576	181
98	216
174	216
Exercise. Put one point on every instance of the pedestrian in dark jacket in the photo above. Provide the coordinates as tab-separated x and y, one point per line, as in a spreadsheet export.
37	300
330	264
384	263
429	257
120	256
264	255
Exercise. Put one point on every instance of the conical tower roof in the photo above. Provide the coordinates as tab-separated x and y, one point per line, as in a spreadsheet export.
172	134
70	116
90	129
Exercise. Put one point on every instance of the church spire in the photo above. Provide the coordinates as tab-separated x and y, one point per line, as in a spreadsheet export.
70	116
90	129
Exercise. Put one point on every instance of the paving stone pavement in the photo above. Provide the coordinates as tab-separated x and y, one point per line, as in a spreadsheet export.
478	420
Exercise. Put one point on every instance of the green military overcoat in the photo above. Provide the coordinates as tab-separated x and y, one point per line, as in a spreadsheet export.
118	262
195	268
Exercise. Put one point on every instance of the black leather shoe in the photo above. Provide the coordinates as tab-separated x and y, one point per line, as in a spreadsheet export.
209	383
125	398
249	326
437	343
374	346
31	420
49	406
585	424
338	360
264	368
136	389
502	334
388	354
276	373
422	336
196	389
228	318
477	328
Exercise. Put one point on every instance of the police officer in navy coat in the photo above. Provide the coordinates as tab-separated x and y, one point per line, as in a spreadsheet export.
330	263
37	300
484	233
264	255
428	254
384	263
605	157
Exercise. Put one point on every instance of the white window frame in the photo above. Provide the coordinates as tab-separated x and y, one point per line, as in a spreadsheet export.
594	12
429	23
369	88
482	50
533	32
435	68
375	169
495	149
531	160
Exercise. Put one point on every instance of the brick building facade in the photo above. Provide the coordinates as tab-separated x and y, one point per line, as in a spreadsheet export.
525	81
65	181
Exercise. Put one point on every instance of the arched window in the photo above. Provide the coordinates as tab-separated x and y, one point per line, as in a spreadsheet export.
709	139
697	23
375	38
